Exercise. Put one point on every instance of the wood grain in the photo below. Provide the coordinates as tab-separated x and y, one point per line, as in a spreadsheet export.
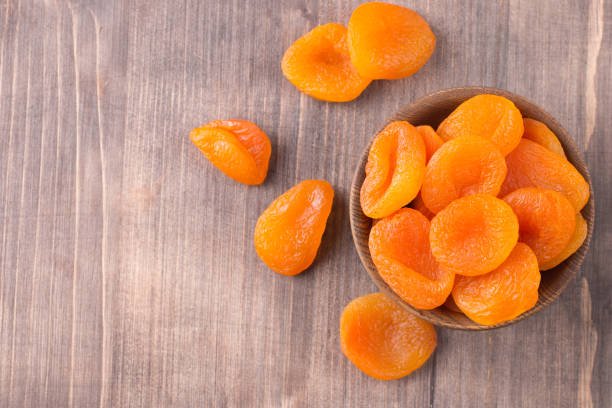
127	272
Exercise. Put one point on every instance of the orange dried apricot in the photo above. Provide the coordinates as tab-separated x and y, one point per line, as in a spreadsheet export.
540	133
546	220
491	117
473	235
419	205
431	139
319	65
395	170
288	233
462	166
578	237
503	294
237	147
399	245
533	165
387	41
383	340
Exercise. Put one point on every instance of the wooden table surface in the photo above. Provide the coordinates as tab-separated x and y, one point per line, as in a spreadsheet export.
127	270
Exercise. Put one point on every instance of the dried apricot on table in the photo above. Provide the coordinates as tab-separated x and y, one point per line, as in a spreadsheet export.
288	233
502	294
431	139
462	166
578	237
399	245
546	220
387	41
491	117
473	235
237	147
319	65
395	170
532	165
383	340
540	133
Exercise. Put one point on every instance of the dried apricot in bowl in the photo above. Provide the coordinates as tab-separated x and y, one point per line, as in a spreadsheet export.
431	139
489	116
319	65
533	165
503	294
576	241
546	218
387	41
399	245
288	233
395	170
462	166
473	235
540	133
237	147
383	340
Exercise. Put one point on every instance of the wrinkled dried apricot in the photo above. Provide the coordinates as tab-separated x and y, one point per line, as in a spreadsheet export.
491	117
399	245
462	166
575	242
319	65
473	235
383	340
419	205
503	294
237	147
541	134
532	165
288	233
395	170
387	41
546	220
431	139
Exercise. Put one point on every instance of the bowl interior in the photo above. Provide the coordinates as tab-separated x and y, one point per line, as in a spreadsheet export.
431	110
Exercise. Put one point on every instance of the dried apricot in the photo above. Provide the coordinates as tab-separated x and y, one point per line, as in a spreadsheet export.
237	147
546	220
540	133
387	41
578	237
395	170
419	205
383	340
473	235
399	245
431	139
503	294
288	233
462	166
319	65
491	117
532	165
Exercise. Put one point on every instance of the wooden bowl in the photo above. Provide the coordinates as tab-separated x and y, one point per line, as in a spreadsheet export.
431	110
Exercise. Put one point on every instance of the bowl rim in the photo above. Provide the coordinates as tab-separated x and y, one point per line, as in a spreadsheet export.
460	321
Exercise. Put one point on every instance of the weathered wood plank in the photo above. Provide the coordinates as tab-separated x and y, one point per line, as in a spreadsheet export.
127	272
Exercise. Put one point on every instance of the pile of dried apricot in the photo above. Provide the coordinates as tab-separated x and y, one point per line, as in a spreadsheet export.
467	215
492	202
335	63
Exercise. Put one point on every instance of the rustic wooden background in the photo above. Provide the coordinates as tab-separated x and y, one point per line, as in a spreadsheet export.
127	270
